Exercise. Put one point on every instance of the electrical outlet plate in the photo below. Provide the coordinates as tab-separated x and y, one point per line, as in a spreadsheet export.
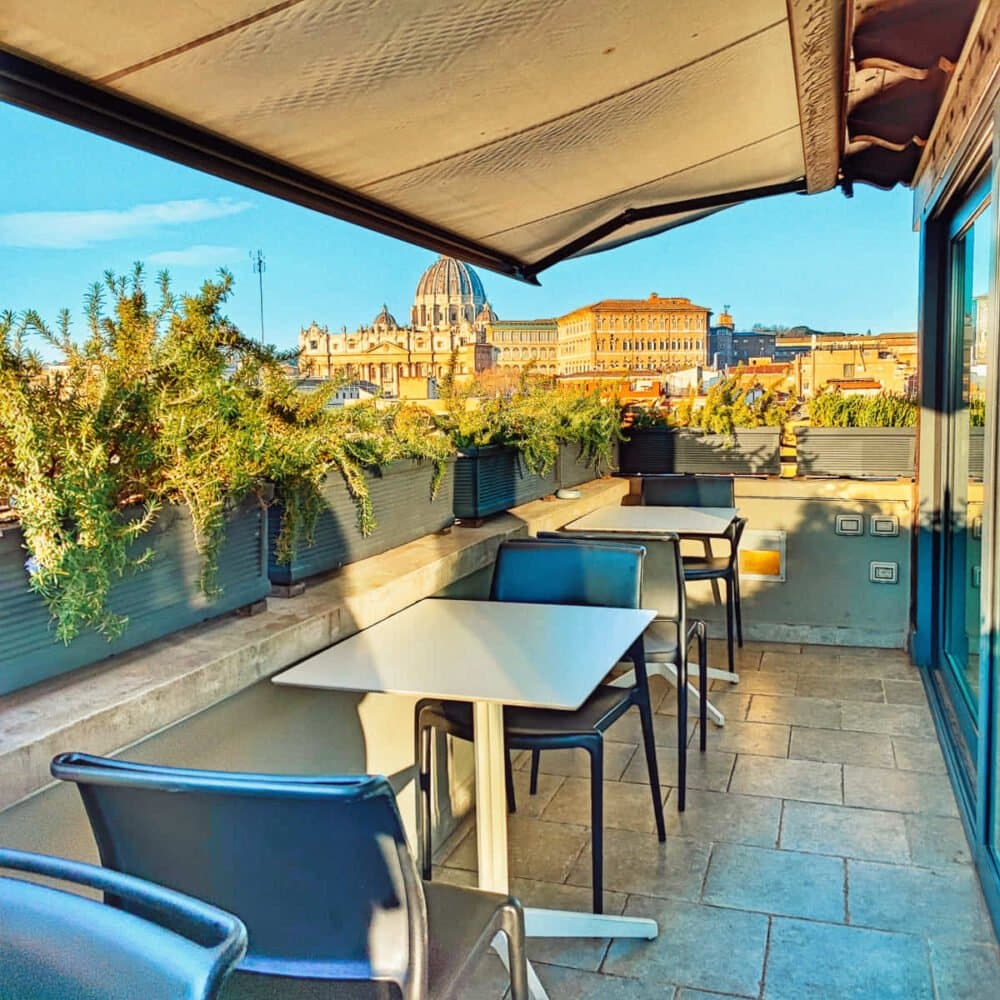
977	528
884	525
883	572
850	524
977	575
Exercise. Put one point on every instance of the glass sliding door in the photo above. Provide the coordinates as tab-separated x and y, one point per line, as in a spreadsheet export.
970	400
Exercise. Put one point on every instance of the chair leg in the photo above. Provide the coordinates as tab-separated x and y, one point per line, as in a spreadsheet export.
595	748
730	624
649	742
424	736
739	611
682	719
536	758
703	683
508	773
512	919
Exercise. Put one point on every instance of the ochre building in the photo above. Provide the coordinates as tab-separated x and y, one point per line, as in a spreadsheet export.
634	335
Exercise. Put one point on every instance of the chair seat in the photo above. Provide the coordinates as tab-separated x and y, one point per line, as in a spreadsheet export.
702	569
596	714
462	922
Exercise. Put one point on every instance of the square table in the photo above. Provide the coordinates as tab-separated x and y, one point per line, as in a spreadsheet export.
687	522
491	653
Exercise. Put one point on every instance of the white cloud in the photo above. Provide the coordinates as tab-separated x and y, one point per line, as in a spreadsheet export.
74	230
199	255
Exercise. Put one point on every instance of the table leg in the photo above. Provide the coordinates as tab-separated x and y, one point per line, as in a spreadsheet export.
491	844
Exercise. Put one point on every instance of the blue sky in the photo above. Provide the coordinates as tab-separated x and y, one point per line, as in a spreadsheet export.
74	205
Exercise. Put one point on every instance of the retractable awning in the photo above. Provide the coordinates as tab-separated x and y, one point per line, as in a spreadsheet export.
510	133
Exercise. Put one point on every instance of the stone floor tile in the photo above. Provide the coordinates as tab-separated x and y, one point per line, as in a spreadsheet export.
778	882
534	805
628	729
818	712
639	863
815	961
701	947
941	902
537	850
846	832
964	972
758	682
840	688
747	658
807	780
917	755
904	692
710	770
723	816
571	983
765	739
936	842
576	763
576	953
729	701
893	720
794	662
900	791
627	806
835	746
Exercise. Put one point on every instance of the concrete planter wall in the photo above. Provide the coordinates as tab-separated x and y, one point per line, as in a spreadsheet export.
158	600
489	480
860	452
572	469
404	510
657	450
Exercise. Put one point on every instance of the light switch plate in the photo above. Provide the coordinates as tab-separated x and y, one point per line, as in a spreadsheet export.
884	525
883	572
850	524
977	575
977	528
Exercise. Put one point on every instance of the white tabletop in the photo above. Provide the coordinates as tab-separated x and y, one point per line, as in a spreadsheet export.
679	520
543	655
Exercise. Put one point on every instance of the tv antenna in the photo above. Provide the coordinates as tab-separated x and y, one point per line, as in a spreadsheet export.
259	266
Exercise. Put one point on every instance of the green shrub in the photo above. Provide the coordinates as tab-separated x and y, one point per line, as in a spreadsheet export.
836	409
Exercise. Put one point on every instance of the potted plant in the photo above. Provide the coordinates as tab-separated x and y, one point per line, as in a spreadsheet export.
136	471
378	476
737	431
858	436
589	436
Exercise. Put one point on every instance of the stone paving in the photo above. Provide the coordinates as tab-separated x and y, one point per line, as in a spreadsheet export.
820	855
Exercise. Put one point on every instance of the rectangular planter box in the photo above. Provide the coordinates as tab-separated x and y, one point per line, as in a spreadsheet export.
404	510
160	599
658	450
489	480
571	469
859	452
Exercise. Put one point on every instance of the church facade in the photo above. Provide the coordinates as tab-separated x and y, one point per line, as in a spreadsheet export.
451	319
448	320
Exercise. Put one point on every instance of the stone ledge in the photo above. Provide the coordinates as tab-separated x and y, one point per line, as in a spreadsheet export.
124	699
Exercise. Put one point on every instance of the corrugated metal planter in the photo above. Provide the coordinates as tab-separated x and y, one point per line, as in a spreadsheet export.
489	480
404	510
657	450
976	452
158	600
857	452
571	469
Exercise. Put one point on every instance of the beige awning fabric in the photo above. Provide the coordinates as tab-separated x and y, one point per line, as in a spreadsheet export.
510	133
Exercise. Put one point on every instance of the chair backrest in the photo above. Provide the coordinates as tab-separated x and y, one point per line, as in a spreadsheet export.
735	536
58	945
549	571
317	867
662	570
688	491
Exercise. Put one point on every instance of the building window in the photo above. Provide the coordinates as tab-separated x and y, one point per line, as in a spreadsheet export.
848	371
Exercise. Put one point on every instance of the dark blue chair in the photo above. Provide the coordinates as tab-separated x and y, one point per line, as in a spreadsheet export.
317	867
143	942
557	571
